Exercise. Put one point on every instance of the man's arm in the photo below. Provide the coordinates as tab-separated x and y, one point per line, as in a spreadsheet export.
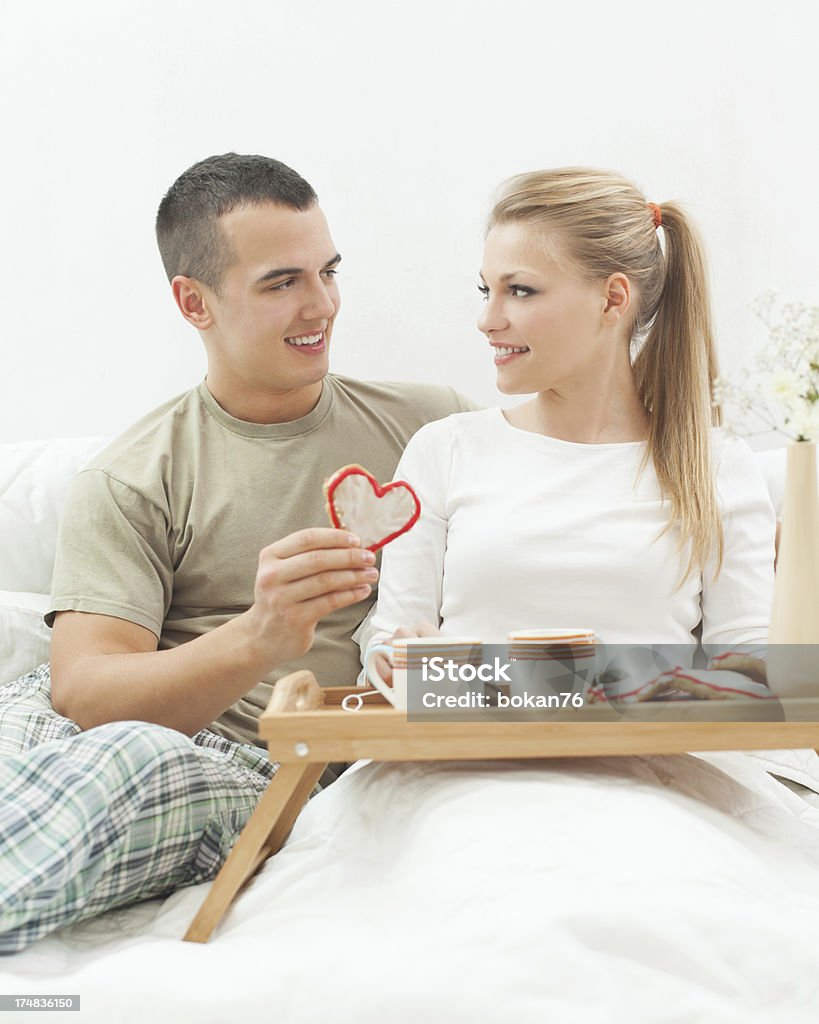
107	669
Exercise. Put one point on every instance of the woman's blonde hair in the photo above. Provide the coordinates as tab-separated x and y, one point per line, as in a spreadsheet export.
602	224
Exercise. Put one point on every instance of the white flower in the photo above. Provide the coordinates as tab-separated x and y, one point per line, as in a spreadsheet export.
780	385
812	347
805	422
785	385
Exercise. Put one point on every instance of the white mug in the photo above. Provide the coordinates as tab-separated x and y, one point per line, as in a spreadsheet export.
548	662
414	653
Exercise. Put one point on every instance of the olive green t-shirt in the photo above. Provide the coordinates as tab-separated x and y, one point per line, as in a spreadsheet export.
165	526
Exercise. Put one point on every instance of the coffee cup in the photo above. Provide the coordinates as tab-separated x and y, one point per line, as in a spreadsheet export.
551	663
409	655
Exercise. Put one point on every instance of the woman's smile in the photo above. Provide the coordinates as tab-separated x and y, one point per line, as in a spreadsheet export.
507	353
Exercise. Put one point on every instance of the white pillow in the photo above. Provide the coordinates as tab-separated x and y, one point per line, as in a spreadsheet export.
34	479
24	636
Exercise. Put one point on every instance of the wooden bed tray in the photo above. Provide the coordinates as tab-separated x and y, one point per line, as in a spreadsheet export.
305	728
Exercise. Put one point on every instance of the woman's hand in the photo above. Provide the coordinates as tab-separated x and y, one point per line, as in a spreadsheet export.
382	665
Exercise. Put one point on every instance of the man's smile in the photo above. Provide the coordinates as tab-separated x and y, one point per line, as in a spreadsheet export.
308	342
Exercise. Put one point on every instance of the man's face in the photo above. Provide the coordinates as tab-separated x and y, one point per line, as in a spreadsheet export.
273	318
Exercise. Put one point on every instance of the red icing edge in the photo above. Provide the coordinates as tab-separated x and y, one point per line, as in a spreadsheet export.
380	491
677	673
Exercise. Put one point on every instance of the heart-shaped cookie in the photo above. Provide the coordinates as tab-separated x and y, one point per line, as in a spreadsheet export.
377	513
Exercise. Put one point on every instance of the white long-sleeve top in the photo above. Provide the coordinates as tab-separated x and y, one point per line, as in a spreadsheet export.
523	531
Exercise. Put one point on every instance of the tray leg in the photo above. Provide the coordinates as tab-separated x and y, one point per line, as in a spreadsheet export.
262	836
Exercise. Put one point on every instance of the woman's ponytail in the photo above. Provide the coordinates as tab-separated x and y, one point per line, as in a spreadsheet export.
675	369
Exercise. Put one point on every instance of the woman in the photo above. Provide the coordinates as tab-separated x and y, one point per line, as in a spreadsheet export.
611	498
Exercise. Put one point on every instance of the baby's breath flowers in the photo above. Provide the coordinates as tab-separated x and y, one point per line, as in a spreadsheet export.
780	387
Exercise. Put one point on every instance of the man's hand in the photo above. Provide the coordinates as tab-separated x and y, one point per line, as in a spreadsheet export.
300	579
106	669
381	664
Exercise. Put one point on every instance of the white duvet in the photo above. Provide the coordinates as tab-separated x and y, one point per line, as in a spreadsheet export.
651	889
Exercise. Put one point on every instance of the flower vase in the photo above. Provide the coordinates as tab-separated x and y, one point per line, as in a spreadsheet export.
793	637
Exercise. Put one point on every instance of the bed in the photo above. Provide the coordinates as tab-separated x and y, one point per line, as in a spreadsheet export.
653	888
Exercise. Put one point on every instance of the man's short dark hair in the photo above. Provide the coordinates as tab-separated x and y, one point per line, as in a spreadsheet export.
190	239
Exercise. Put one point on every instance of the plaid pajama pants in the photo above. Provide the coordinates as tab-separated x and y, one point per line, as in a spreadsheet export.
124	812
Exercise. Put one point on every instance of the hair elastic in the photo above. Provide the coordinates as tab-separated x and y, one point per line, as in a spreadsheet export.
656	213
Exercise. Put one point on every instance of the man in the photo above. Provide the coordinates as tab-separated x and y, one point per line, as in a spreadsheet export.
193	566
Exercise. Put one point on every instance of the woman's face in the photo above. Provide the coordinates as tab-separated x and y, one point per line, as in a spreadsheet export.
543	321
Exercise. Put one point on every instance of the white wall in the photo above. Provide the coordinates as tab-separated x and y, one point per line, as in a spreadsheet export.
404	117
